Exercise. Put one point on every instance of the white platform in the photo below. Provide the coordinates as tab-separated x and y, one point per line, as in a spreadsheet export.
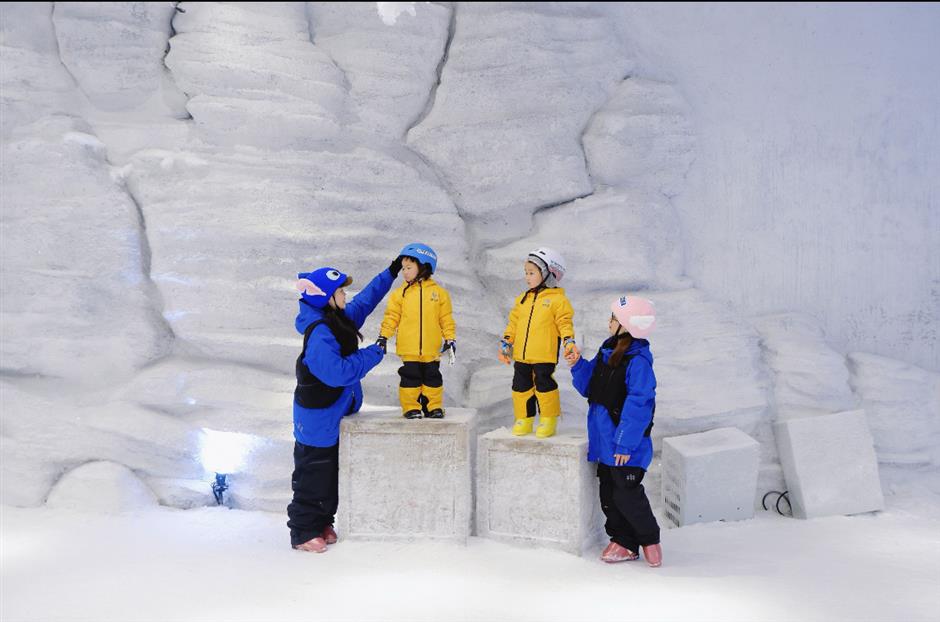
538	492
709	476
830	465
401	478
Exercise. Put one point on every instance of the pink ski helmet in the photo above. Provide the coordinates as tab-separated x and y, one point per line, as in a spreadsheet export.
636	315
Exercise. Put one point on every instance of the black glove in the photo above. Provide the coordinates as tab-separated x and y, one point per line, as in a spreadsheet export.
395	268
450	344
382	342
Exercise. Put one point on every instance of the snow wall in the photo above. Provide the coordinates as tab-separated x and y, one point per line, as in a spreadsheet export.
763	173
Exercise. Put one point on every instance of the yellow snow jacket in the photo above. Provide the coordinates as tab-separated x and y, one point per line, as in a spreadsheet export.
422	317
537	324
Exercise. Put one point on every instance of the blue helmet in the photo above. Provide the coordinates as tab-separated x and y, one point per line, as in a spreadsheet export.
318	286
422	253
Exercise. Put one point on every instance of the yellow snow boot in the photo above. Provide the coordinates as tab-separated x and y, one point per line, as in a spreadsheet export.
523	409
546	426
523	426
549	410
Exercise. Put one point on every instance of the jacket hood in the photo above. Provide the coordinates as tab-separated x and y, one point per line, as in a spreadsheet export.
639	347
428	281
306	316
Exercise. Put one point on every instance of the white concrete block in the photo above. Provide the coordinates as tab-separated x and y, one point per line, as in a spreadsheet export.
538	492
830	465
401	478
709	476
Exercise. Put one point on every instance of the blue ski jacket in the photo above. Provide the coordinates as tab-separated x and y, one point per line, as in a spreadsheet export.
319	427
604	439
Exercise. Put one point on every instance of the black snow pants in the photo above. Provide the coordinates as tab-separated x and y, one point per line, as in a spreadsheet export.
315	483
630	521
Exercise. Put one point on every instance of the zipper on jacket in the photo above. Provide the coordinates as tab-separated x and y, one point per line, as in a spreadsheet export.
525	344
420	319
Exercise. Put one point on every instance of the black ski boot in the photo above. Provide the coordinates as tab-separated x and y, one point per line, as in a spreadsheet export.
437	413
413	414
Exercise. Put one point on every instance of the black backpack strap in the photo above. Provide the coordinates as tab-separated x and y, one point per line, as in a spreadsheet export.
307	334
311	392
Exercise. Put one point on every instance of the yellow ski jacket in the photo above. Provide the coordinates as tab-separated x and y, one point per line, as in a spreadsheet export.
422	317
537	324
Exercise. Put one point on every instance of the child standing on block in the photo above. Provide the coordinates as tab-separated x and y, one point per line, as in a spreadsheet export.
621	389
420	314
540	321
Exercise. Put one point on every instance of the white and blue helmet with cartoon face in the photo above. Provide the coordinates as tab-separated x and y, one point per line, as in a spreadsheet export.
318	286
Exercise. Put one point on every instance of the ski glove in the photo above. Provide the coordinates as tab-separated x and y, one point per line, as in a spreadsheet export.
570	346
395	266
505	349
382	342
450	344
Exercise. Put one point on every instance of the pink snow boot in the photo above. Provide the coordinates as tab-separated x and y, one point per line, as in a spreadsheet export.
615	553
329	534
653	554
314	545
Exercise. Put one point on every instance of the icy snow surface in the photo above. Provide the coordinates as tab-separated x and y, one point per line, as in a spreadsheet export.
218	564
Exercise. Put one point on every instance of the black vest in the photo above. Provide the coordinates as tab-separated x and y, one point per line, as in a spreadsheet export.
609	387
311	392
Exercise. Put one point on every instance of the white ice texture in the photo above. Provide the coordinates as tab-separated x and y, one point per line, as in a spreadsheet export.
762	173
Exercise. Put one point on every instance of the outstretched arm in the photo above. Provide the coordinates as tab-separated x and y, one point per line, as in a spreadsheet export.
365	302
581	374
324	360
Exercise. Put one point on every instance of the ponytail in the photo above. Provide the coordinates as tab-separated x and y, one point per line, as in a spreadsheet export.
620	348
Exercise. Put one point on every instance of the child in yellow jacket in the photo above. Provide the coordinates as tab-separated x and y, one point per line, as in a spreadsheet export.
540	321
420	314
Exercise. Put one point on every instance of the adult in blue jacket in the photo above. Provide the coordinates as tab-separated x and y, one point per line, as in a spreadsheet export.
329	370
621	389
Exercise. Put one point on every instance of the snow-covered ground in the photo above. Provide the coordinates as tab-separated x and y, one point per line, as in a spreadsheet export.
219	564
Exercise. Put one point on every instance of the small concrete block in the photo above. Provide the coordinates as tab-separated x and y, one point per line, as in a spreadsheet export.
539	492
405	478
830	465
709	476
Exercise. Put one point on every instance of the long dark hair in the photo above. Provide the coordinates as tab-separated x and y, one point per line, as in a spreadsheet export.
621	344
343	329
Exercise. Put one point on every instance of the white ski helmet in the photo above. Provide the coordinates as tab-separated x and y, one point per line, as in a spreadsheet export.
551	264
636	315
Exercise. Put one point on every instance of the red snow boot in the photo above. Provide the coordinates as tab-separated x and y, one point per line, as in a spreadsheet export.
653	554
329	534
314	545
615	553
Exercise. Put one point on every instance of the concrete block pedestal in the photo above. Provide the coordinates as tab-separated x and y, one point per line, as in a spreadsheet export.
538	492
709	476
401	478
830	465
